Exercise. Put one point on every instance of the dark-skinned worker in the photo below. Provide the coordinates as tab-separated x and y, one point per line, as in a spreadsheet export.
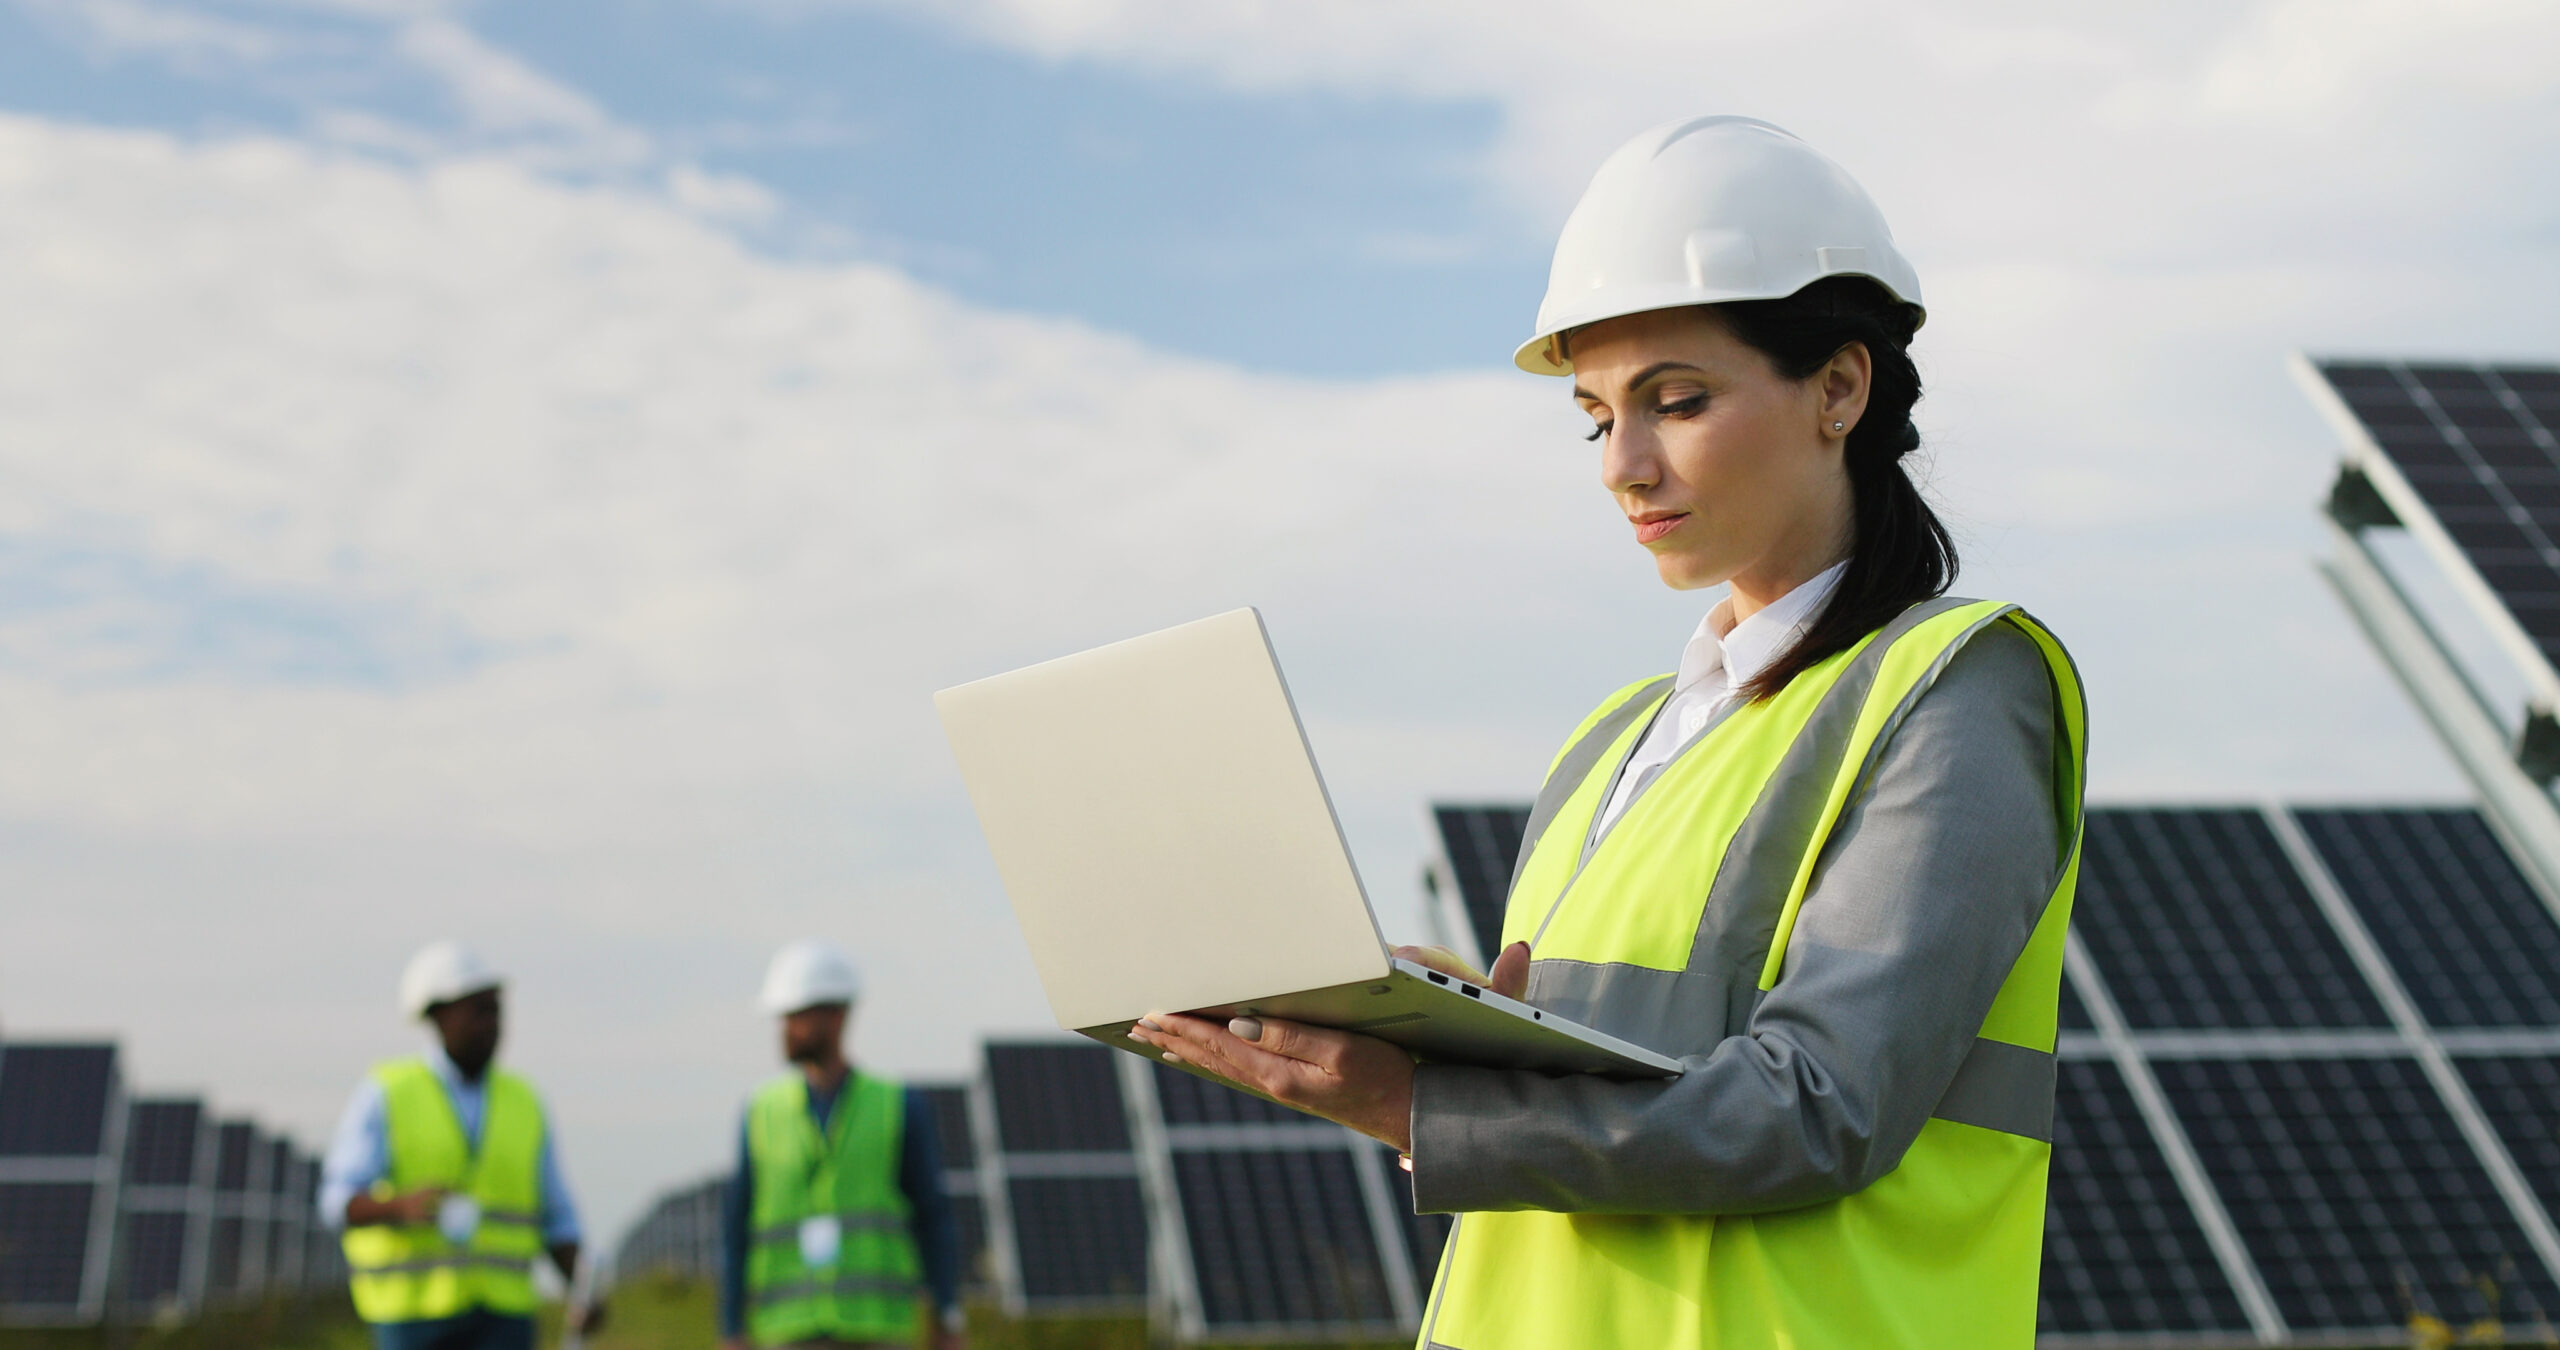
837	1232
445	1176
1828	862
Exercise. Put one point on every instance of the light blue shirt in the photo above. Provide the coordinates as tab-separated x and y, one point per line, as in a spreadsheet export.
360	1151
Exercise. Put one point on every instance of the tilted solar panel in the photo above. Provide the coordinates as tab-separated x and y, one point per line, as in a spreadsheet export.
152	1268
950	1103
44	1242
2356	1193
2198	920
1281	1237
2473	943
226	1274
1481	843
1188	1099
2476	446
235	1155
54	1099
1080	1240
160	1141
2073	1014
2520	1096
1424	1234
2123	1252
1056	1097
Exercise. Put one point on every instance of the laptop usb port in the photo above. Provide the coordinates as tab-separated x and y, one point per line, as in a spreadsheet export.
1471	991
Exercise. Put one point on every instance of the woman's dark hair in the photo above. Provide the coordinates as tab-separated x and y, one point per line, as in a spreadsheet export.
1899	552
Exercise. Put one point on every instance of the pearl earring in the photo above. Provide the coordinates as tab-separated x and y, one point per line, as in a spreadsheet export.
1839	426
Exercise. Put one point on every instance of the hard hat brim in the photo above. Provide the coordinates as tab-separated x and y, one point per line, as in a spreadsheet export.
1545	354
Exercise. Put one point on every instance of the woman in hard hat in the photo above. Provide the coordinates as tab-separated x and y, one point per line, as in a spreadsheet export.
1828	863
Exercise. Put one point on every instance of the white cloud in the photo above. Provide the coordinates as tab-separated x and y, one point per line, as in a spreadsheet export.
579	577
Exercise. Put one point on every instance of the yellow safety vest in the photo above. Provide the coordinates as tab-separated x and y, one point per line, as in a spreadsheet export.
411	1272
846	1180
1943	1252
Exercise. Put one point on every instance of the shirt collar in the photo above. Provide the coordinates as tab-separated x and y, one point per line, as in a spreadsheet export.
1746	648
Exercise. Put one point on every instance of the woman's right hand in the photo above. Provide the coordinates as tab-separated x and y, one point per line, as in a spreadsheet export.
1510	977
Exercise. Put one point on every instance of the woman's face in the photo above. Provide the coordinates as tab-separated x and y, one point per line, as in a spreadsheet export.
1726	469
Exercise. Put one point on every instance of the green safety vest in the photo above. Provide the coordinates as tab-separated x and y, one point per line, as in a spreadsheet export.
850	1174
1943	1251
409	1272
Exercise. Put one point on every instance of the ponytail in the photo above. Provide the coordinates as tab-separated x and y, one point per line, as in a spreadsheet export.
1899	552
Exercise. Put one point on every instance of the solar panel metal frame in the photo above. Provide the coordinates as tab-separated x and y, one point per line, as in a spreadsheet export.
2518	806
194	1199
102	1172
250	1205
999	1167
1177	1303
960	1182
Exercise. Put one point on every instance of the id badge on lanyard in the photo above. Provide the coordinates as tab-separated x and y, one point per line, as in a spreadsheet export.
821	1237
458	1218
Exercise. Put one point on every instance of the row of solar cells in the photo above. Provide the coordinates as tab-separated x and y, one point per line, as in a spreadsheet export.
146	1207
2363	1190
1070	1165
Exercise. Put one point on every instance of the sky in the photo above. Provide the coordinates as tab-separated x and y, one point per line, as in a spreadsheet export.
517	471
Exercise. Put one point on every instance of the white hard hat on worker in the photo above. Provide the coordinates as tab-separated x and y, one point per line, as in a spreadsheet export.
809	974
1705	211
442	972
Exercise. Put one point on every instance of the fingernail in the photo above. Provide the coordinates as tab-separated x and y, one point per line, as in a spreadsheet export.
1172	1058
1133	1035
1248	1028
1149	1023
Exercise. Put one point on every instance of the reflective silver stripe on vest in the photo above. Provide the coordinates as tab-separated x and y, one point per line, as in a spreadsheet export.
455	1262
2002	1087
853	1223
850	1286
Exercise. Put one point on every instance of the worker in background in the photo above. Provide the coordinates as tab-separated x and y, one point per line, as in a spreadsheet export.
1828	863
836	1229
445	1177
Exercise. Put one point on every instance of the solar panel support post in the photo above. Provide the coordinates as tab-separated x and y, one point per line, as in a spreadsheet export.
2265	1322
2430	1052
1174	1314
2519	810
995	1197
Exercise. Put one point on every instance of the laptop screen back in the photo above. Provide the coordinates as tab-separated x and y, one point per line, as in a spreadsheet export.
1160	826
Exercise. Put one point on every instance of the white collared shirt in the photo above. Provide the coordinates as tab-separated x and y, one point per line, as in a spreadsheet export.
1721	657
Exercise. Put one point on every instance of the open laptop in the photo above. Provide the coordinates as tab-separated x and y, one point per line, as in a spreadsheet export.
1168	846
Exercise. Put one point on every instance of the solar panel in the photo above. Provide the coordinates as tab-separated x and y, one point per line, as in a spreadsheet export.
225	1273
44	1243
2467	934
2356	1194
1079	1240
958	1137
234	1156
1480	844
1281	1238
1424	1234
2520	1096
1074	1217
54	1099
160	1142
1056	1097
2198	919
154	1258
2475	445
2122	1250
2073	1014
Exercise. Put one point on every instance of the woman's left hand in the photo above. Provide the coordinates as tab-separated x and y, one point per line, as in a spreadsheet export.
1350	1079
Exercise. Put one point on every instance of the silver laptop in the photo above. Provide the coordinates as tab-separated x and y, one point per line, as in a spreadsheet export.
1168	847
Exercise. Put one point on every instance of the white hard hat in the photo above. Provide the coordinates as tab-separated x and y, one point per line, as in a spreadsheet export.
442	972
1705	211
807	973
